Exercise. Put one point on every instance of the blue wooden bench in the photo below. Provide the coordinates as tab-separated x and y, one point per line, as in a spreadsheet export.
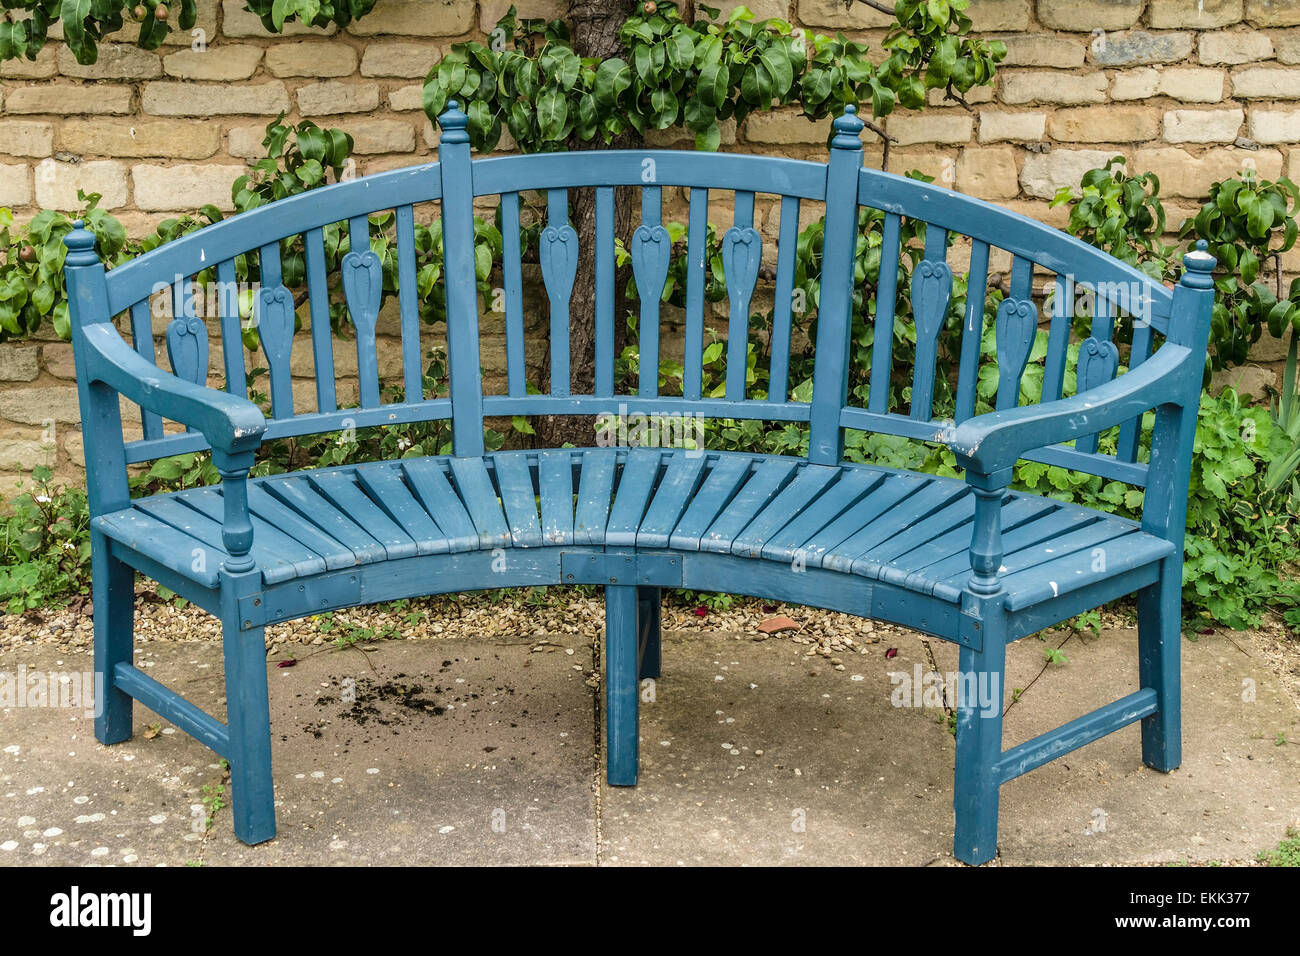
966	561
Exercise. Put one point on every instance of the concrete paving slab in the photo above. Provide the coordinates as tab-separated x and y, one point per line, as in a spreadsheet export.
447	752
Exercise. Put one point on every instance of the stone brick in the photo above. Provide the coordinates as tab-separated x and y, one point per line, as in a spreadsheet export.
170	98
22	454
335	96
1288	47
39	405
117	61
1273	13
988	15
57	359
988	173
1104	124
1188	176
26	138
69	100
311	58
238	22
57	183
833	13
234	61
245	142
997	126
183	187
1202	126
1275	126
172	139
675	137
1069	89
928	127
784	126
15	185
19	363
1137	47
1087	15
1194	14
416	18
1266	83
382	136
975	95
1135	84
406	98
1040	49
43	67
1192	84
1234	48
490	11
1044	173
399	59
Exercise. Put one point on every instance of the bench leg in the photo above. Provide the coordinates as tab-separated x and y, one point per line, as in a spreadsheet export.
113	598
648	604
979	747
252	796
1159	651
621	685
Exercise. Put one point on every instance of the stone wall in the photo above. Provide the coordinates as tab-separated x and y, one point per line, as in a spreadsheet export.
1193	90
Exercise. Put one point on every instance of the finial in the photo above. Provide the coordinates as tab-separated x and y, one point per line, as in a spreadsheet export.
1199	266
848	129
81	246
453	123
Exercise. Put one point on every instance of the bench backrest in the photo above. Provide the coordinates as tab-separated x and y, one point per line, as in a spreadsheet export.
458	185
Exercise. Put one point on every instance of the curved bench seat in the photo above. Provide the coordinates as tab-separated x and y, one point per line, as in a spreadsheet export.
908	530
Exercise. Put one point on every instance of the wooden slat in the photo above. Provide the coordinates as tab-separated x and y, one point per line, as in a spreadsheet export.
605	292
383	483
696	271
671	498
322	339
885	497
430	484
742	251
555	482
363	299
142	340
232	342
595	489
168	509
764	484
409	306
512	275
515	483
725	476
1069	573
1058	339
343	492
558	254
475	488
882	349
931	297
1130	432
853	485
936	497
305	561
275	512
973	330
651	251
164	543
636	482
297	493
810	482
1017	327
782	313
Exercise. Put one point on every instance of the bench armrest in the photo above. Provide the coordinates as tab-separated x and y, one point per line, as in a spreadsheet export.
992	443
230	424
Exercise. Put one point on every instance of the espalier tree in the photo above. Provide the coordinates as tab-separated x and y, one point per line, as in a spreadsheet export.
612	72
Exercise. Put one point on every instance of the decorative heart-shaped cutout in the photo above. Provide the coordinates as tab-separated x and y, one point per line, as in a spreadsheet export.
558	257
1098	362
1016	325
931	293
742	254
651	250
187	348
363	286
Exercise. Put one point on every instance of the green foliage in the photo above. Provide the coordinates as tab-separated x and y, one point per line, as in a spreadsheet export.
1282	470
670	73
1287	852
1123	215
44	545
86	22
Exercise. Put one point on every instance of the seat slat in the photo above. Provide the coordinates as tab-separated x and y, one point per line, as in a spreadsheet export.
139	530
851	487
433	488
724	478
784	508
342	490
636	482
383	483
475	488
1051	579
764	484
295	492
555	482
595	489
885	498
1090	536
305	561
671	498
270	509
956	514
937	497
519	497
169	510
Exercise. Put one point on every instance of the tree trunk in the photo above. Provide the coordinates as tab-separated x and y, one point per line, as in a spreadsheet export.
594	25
